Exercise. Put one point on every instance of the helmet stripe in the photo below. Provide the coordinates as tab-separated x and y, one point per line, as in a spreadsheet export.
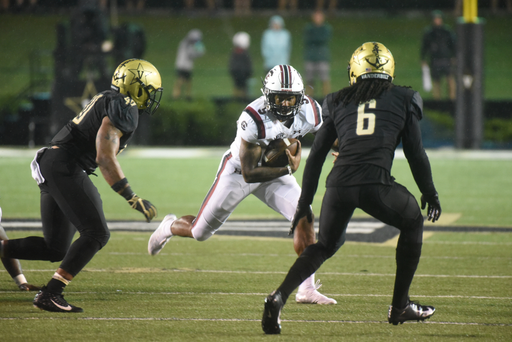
286	76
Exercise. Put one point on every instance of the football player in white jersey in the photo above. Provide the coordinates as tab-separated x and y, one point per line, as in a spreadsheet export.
282	112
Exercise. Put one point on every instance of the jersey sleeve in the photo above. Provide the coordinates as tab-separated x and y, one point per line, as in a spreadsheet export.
247	128
313	113
416	106
417	157
316	159
123	114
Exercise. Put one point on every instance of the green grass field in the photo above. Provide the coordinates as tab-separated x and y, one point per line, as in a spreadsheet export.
215	290
473	187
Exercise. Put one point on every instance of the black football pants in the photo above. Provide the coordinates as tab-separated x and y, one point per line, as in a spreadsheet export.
391	204
69	199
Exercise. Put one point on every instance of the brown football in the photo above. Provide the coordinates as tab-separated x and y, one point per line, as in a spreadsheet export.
275	155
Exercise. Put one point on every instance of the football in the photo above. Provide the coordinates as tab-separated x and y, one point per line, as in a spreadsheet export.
275	155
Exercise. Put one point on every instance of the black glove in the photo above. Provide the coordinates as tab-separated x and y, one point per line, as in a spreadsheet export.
434	206
144	206
302	210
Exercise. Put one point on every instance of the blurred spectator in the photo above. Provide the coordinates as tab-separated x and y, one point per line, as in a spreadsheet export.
190	48
89	31
129	42
242	7
495	5
290	5
240	64
317	35
210	4
135	5
276	44
438	45
331	5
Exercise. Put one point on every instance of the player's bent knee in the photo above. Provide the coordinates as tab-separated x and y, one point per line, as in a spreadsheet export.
56	255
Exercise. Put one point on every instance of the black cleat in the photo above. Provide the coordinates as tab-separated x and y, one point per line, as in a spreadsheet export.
48	301
412	312
271	321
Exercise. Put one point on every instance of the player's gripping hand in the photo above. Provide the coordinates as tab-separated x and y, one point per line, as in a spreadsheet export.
434	206
294	160
302	210
144	206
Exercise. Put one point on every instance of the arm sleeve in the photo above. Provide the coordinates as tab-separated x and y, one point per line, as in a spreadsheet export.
321	147
414	151
314	114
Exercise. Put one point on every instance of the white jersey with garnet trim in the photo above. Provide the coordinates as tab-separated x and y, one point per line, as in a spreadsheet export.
258	126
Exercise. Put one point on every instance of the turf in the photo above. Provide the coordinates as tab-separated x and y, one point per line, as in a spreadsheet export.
214	291
473	191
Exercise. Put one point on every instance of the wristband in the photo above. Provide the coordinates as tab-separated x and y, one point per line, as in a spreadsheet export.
289	170
127	193
120	185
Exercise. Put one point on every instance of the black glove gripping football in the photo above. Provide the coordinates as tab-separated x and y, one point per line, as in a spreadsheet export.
144	206
434	206
302	210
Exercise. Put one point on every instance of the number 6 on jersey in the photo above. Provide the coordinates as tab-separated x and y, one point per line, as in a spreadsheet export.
368	118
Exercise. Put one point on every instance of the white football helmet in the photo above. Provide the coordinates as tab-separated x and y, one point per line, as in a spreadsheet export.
283	80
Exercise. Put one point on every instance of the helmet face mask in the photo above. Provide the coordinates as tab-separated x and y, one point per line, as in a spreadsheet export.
141	81
283	84
371	60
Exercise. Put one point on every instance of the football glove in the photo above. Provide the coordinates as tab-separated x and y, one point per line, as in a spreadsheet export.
434	206
144	206
299	214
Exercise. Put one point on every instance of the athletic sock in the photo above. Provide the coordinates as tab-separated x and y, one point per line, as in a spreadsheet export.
57	284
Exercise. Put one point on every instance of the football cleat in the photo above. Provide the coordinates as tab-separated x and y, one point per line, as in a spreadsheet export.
271	321
312	296
412	312
161	235
48	301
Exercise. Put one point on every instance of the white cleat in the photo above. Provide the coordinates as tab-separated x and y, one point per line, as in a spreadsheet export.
312	296
161	235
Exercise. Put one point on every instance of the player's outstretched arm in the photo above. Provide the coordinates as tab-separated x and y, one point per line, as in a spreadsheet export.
107	145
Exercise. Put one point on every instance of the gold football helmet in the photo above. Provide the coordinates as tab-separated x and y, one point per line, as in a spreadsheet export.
141	81
371	60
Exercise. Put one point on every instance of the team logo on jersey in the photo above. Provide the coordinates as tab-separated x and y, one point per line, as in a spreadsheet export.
280	136
243	125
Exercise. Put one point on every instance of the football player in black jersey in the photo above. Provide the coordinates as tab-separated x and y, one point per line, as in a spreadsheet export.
69	198
369	118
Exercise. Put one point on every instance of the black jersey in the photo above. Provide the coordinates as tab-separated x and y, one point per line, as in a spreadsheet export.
78	136
368	135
